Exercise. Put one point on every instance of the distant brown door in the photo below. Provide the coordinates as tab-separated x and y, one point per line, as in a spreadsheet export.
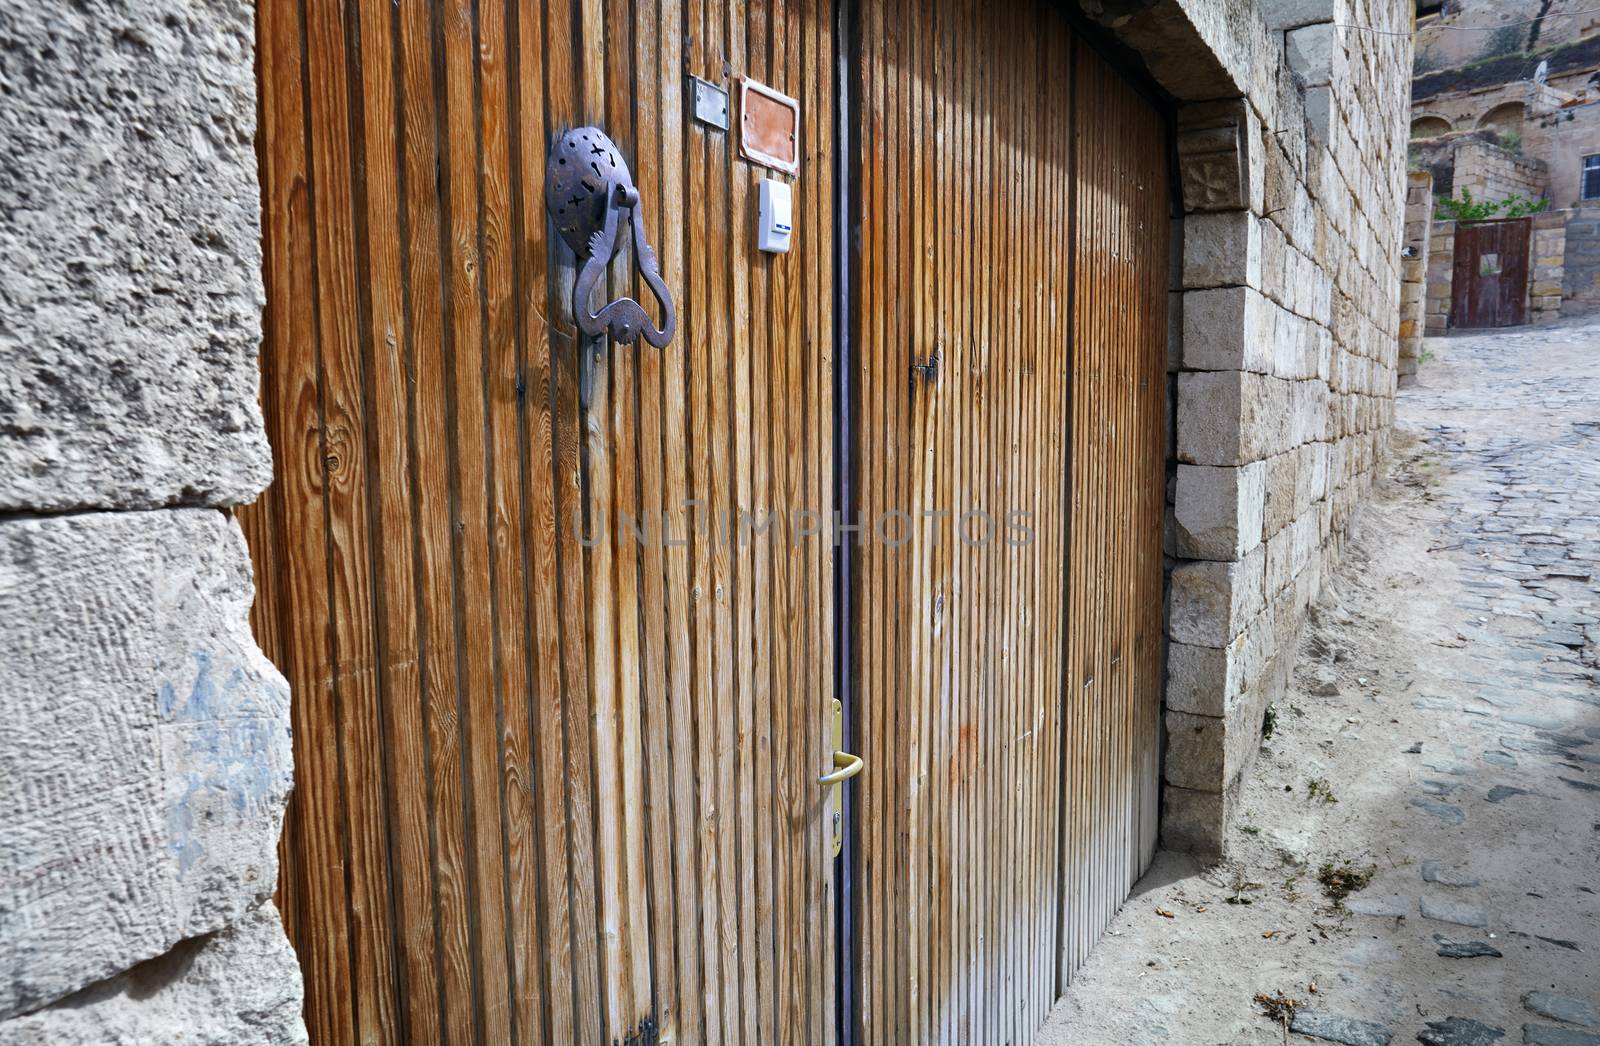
1491	274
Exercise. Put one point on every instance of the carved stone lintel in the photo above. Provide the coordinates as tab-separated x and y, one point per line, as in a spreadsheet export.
1214	156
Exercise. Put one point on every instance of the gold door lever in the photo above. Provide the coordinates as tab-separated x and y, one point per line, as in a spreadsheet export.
847	767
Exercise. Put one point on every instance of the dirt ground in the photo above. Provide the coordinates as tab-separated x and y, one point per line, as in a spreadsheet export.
1441	731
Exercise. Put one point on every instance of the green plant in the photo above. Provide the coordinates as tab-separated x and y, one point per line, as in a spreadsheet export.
1469	209
1318	788
1511	142
1269	722
1517	207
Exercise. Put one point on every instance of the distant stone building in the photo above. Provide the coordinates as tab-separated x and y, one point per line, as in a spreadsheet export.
1505	104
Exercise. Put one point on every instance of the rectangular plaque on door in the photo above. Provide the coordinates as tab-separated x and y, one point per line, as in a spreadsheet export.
769	127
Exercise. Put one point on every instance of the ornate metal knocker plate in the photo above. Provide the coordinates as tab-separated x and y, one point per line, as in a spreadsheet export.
587	189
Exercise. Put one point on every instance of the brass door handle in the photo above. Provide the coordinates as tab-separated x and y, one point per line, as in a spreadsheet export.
847	766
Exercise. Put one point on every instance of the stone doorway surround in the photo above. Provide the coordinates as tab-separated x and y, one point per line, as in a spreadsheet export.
1290	139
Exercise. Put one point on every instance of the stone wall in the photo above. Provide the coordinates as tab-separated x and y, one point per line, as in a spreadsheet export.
1562	135
1490	172
1414	271
1476	162
1291	140
1546	266
146	754
1464	112
1580	275
1441	277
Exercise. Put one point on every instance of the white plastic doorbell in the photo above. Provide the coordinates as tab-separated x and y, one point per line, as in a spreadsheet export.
774	222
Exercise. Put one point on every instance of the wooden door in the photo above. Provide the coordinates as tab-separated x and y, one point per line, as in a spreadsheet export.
555	781
1490	279
1009	342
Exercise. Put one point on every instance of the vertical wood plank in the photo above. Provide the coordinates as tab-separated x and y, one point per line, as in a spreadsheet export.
504	395
694	979
660	797
765	23
312	822
736	381
715	944
540	795
573	99
476	697
431	515
392	537
557	955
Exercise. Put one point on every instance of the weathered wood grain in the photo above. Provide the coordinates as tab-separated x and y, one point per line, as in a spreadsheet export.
1013	195
550	790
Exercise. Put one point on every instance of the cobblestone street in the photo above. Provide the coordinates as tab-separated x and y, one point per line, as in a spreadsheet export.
1436	757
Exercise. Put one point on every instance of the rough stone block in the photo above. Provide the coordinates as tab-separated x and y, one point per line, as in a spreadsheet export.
1216	143
1196	751
1218	511
1206	680
1286	14
1194	821
1309	51
1281	471
1305	413
1311	475
147	758
1209	418
1232	417
1222	250
1212	602
1273	249
1320	110
1174	331
236	987
132	289
1242	738
1225	329
1280	561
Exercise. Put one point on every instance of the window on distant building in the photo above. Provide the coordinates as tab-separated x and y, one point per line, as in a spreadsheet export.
1591	177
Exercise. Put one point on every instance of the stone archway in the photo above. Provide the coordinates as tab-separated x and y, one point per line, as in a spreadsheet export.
1429	125
1505	119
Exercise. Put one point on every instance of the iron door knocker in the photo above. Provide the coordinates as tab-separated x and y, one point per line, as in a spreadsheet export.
587	185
